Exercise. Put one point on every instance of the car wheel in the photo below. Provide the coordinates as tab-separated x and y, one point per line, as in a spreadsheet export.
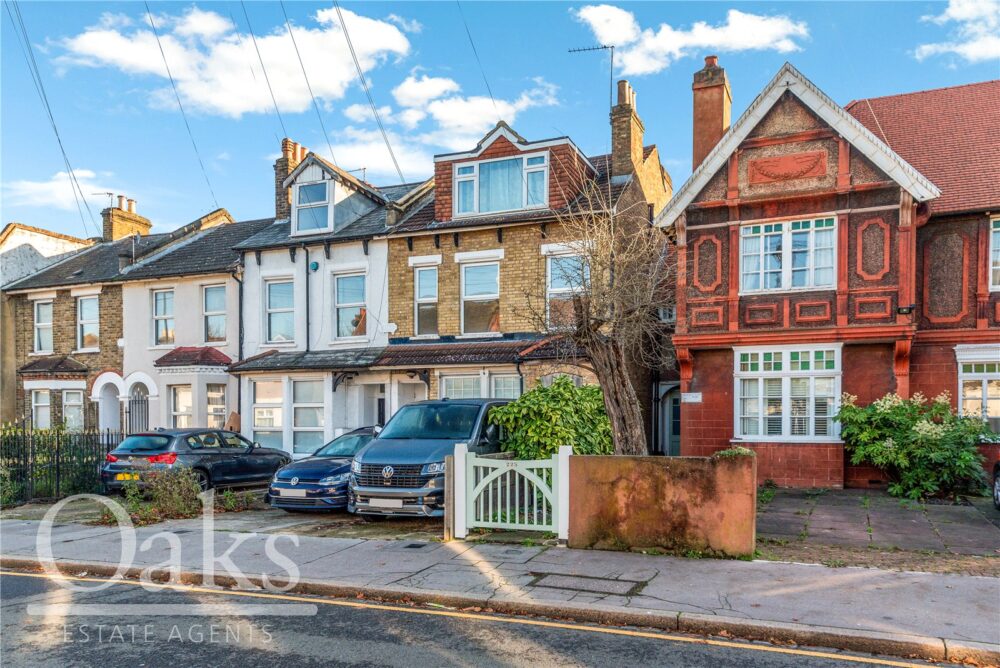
996	489
204	484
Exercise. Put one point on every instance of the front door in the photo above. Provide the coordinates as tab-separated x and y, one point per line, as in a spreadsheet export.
670	422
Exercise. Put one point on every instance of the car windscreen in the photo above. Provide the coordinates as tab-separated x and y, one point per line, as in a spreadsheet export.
144	443
432	421
344	446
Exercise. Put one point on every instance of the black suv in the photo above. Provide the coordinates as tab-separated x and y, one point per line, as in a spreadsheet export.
219	458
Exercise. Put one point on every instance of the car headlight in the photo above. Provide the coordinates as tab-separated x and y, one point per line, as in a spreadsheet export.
334	479
355	466
431	469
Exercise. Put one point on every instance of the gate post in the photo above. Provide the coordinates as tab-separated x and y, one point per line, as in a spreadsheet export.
461	491
562	491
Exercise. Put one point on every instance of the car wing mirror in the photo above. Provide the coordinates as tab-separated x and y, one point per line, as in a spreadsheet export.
376	430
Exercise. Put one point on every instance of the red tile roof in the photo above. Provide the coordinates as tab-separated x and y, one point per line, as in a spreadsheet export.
950	135
194	356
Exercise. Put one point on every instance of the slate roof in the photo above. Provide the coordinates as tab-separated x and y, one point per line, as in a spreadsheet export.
207	252
274	360
367	226
54	364
459	352
94	264
194	356
949	135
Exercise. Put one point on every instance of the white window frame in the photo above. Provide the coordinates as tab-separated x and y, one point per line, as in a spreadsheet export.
786	374
215	410
40	326
80	322
321	405
157	318
72	399
36	403
994	257
279	429
268	310
444	380
337	306
175	412
977	356
474	178
786	231
478	298
494	377
551	292
328	203
205	313
418	300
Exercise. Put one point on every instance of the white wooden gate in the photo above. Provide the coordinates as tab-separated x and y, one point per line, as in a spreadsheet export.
497	493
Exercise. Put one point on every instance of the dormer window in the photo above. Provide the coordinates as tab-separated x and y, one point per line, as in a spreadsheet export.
313	208
503	184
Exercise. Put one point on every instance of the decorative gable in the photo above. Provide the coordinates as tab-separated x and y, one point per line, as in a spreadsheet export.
325	198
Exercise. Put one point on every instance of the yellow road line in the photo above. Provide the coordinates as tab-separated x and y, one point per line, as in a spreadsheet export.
485	617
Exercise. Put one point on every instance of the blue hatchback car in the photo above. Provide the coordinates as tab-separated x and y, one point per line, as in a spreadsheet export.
319	482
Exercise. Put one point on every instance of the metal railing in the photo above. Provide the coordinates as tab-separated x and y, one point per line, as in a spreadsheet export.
38	464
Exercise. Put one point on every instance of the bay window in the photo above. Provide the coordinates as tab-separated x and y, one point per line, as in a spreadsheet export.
279	308
215	394
41	409
43	327
213	310
567	276
267	413
481	298
312	208
307	416
505	184
425	280
87	323
979	380
72	409
791	255
351	314
788	394
180	406
163	317
995	254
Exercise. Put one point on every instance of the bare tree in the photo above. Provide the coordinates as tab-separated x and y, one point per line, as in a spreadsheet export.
607	291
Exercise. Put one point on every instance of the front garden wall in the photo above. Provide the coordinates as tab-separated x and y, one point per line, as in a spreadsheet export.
673	503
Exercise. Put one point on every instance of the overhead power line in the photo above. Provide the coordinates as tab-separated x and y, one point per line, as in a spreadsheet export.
253	37
177	96
482	71
24	42
371	100
308	85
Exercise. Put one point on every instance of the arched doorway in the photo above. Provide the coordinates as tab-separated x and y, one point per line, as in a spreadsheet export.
109	408
137	409
670	420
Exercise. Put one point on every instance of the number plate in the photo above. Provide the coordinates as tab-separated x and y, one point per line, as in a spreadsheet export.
292	492
126	476
386	503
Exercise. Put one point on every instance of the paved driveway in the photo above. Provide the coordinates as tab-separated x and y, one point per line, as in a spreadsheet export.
868	518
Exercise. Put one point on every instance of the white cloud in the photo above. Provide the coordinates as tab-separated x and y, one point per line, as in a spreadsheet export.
647	51
414	92
407	25
361	113
57	191
212	63
359	147
410	118
975	34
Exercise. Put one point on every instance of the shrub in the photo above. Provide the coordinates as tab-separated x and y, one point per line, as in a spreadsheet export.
10	491
173	493
923	446
545	418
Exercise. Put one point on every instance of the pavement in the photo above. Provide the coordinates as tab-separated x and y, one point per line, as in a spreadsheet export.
871	519
43	624
935	616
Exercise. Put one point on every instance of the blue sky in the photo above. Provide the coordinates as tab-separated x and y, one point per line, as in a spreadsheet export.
123	132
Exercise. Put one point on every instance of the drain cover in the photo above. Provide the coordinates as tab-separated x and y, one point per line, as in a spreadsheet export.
414	546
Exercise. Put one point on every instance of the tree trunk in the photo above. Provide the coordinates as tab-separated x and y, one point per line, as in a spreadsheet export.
620	400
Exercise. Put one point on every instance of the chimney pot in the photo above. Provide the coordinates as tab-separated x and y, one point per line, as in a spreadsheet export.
711	61
131	205
713	101
121	202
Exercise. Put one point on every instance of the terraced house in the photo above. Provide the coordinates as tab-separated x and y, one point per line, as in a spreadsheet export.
825	249
487	239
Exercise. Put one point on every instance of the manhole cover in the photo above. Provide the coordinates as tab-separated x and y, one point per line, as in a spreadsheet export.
593	585
414	546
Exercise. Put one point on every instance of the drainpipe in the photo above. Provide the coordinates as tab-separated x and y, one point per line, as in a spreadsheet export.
305	250
517	366
657	446
239	353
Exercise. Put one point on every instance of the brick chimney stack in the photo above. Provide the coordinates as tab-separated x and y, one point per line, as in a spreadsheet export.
122	222
713	101
292	153
626	132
